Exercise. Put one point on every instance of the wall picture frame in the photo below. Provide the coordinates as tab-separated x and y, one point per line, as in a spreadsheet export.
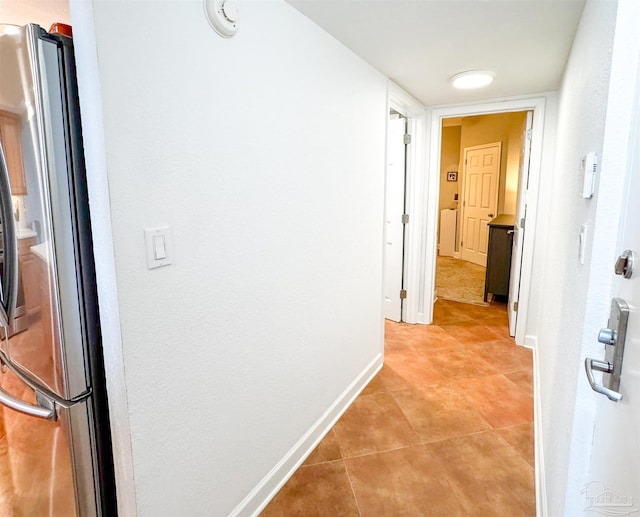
452	176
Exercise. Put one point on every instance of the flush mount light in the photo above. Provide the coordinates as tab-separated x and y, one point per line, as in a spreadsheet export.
222	16
472	79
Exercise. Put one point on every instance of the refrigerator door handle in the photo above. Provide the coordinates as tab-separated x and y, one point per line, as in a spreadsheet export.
43	410
10	242
47	401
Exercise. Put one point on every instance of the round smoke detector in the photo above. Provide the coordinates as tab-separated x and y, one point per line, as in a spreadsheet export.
222	16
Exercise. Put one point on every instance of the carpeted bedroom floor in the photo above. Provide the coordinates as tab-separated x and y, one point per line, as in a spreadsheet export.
460	281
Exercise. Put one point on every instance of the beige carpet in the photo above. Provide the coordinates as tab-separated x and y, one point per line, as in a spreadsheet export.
460	281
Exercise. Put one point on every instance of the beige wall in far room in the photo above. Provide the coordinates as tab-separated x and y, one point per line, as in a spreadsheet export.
514	152
449	161
499	127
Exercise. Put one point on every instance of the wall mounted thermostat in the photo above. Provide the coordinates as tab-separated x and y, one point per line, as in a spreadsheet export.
588	168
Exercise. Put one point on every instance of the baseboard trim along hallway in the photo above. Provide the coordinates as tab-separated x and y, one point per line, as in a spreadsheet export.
260	496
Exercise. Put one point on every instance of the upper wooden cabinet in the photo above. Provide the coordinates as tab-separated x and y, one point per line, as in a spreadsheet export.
10	136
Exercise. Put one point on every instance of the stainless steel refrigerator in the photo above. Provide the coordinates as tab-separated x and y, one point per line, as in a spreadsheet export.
55	444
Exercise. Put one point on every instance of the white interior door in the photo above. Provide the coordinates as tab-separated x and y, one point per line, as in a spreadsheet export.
394	209
479	200
519	228
614	474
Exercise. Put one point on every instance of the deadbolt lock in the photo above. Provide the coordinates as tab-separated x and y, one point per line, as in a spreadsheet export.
624	264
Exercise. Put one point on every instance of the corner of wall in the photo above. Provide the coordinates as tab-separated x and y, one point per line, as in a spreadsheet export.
94	149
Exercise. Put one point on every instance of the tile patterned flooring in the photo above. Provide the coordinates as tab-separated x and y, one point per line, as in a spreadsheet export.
445	428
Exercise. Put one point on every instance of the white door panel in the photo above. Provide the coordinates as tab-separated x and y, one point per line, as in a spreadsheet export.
394	208
518	229
480	199
614	474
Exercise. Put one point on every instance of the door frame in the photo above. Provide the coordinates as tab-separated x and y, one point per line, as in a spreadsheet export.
429	200
394	269
416	164
518	236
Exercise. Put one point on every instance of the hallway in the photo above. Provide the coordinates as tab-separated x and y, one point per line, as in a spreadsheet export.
445	428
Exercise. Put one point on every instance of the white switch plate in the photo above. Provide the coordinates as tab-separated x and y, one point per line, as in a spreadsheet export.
583	243
158	244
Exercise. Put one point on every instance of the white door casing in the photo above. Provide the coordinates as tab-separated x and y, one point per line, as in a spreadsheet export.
543	107
479	200
519	227
415	184
394	208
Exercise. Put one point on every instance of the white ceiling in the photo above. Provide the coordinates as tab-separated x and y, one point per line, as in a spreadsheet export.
420	44
42	12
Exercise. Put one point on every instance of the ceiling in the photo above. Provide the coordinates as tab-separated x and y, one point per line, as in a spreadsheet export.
42	12
420	44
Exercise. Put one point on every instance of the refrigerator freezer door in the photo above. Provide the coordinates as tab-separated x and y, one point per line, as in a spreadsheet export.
58	465
49	342
36	474
45	466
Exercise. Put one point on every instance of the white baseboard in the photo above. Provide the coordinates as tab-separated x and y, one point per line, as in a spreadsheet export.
456	254
530	342
266	490
541	487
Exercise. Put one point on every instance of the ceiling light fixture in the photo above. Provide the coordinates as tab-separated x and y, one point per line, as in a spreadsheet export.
472	79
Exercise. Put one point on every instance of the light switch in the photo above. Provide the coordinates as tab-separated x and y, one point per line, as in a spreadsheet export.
582	243
158	247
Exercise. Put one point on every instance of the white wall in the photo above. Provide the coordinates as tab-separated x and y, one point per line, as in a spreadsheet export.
265	155
565	298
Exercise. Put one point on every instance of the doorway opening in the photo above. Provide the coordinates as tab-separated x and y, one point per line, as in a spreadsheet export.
423	179
526	205
404	215
481	160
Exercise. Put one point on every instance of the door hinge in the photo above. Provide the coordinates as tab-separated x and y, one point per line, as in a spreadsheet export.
405	218
515	306
528	134
522	221
461	244
403	294
407	139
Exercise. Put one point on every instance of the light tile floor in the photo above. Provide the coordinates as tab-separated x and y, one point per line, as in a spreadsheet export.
445	428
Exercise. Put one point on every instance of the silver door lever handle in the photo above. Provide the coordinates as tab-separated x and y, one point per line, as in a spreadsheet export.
601	366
